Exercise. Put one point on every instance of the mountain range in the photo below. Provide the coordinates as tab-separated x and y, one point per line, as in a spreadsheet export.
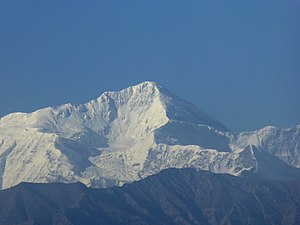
171	197
126	136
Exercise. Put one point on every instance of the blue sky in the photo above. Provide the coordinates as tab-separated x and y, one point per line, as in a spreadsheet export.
236	60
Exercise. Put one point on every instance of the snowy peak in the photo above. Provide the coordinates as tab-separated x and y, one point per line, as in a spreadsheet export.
176	109
142	93
147	101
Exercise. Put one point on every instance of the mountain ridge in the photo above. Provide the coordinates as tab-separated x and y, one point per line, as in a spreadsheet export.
173	197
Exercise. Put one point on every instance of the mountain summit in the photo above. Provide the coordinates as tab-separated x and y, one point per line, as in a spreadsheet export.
128	135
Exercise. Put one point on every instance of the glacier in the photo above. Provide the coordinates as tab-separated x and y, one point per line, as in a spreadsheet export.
125	136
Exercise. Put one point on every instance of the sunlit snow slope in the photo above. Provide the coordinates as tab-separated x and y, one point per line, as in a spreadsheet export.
128	135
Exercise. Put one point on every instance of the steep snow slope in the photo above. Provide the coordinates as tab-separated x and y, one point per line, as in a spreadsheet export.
126	136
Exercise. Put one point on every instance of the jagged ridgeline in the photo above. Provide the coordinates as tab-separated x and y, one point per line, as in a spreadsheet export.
128	135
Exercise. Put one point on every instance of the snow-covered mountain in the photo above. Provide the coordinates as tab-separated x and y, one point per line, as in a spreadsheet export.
128	135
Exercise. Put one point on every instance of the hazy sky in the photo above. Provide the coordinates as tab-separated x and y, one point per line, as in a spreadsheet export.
237	60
